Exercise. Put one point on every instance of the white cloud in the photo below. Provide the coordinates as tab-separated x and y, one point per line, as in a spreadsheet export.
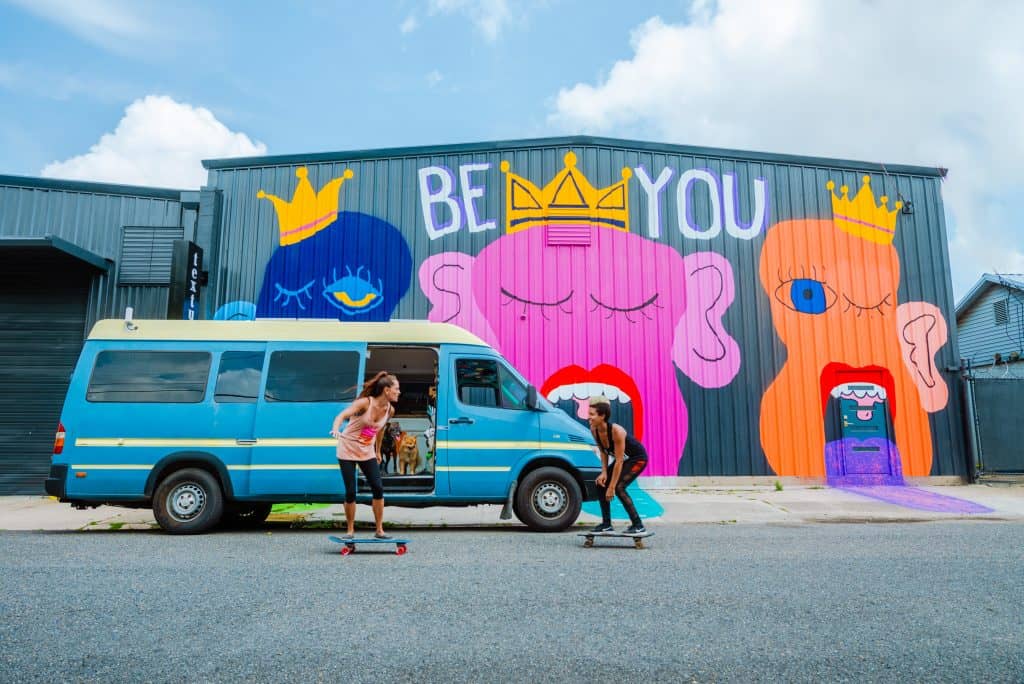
409	25
158	142
489	16
891	81
434	77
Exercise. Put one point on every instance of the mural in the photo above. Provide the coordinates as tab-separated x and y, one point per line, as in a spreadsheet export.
329	263
851	402
582	306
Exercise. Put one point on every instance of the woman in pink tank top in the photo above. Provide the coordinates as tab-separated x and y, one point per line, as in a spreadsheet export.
359	444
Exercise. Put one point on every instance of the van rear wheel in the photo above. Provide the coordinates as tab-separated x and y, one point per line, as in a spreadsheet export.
548	499
188	501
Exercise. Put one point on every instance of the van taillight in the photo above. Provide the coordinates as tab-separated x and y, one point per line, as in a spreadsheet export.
58	441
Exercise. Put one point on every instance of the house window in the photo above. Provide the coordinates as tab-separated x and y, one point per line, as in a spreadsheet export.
1001	312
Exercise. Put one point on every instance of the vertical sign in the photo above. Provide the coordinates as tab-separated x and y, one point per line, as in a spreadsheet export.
186	277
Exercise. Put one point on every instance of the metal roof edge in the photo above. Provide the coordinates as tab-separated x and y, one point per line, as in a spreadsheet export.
69	248
89	186
979	287
570	141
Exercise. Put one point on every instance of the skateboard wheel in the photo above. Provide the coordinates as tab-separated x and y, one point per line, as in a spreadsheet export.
639	543
400	549
587	543
345	550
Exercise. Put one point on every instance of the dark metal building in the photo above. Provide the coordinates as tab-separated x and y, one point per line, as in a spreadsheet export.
70	253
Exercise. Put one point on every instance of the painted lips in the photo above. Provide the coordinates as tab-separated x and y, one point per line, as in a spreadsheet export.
839	375
578	383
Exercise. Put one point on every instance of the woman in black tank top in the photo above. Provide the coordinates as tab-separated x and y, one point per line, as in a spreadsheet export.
625	456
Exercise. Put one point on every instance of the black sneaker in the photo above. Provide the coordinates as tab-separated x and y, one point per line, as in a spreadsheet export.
603	527
636	529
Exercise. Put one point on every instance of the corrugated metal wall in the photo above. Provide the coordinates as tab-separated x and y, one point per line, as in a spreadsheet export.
92	216
723	429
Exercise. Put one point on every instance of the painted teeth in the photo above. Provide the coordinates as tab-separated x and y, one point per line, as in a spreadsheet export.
585	390
859	390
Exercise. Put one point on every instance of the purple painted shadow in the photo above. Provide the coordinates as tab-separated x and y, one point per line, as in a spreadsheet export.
919	499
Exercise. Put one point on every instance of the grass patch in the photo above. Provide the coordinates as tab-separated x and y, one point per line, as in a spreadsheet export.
778	485
297	507
116	525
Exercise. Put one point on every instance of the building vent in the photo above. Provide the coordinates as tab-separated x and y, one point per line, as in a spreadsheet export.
146	254
1001	312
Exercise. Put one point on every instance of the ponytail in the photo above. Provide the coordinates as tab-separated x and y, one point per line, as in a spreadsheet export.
377	384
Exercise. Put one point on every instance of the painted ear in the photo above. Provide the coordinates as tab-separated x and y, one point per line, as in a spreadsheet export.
922	332
701	347
447	280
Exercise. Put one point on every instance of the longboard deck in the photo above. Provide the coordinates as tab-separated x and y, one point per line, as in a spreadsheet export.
638	539
349	545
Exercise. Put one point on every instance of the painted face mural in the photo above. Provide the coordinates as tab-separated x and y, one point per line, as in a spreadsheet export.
331	264
581	306
852	399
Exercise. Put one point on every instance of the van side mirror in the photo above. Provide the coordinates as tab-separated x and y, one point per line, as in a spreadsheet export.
531	398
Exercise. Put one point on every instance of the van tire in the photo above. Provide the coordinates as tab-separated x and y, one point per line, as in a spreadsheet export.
188	501
245	516
548	499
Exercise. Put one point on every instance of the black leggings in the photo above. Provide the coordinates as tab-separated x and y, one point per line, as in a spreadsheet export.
630	469
371	471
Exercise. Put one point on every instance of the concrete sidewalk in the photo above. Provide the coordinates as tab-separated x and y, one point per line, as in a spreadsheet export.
721	501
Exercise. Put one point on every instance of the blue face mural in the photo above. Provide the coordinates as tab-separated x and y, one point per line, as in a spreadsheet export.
357	268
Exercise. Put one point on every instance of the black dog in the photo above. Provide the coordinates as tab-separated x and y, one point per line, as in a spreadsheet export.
389	446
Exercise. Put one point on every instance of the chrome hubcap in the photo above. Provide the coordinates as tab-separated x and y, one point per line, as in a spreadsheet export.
186	501
550	499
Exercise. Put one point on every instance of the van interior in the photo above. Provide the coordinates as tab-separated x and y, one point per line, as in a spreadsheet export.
408	443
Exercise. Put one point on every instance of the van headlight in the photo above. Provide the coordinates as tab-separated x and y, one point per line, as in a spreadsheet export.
597	453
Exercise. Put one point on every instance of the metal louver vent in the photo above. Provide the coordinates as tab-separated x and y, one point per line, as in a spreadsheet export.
146	254
999	309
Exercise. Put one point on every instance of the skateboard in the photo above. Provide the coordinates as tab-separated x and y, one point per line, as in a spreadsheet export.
350	544
638	539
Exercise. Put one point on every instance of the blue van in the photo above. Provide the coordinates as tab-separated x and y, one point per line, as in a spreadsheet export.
213	422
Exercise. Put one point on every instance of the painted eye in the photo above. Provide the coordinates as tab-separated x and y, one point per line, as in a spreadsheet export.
805	295
353	293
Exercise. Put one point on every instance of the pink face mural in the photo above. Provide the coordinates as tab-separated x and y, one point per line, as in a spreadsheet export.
581	306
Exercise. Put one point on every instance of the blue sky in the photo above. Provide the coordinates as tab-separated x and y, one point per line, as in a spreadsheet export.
138	92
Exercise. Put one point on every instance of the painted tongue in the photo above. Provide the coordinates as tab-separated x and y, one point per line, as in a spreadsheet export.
582	407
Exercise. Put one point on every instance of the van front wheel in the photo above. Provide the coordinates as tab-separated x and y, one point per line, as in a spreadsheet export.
548	499
188	501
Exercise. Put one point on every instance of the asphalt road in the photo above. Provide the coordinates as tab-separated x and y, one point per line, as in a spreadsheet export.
879	602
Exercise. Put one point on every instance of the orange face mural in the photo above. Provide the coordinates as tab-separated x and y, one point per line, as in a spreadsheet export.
851	401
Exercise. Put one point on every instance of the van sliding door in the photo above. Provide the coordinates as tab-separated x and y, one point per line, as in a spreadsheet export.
306	385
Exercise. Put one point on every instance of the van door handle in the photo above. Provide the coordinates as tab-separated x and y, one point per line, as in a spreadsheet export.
460	419
245	442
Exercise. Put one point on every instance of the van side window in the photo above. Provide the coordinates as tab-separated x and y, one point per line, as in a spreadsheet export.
485	382
149	377
238	379
309	376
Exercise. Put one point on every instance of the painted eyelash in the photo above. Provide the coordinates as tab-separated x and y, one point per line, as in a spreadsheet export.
802	275
290	294
612	310
861	309
543	305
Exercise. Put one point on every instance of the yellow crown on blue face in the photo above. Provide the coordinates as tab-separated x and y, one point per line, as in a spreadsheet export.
568	201
861	216
308	213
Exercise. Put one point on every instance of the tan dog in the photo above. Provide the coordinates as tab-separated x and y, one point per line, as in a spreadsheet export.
408	454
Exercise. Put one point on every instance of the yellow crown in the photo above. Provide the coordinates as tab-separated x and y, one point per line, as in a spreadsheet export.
861	216
569	201
307	213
